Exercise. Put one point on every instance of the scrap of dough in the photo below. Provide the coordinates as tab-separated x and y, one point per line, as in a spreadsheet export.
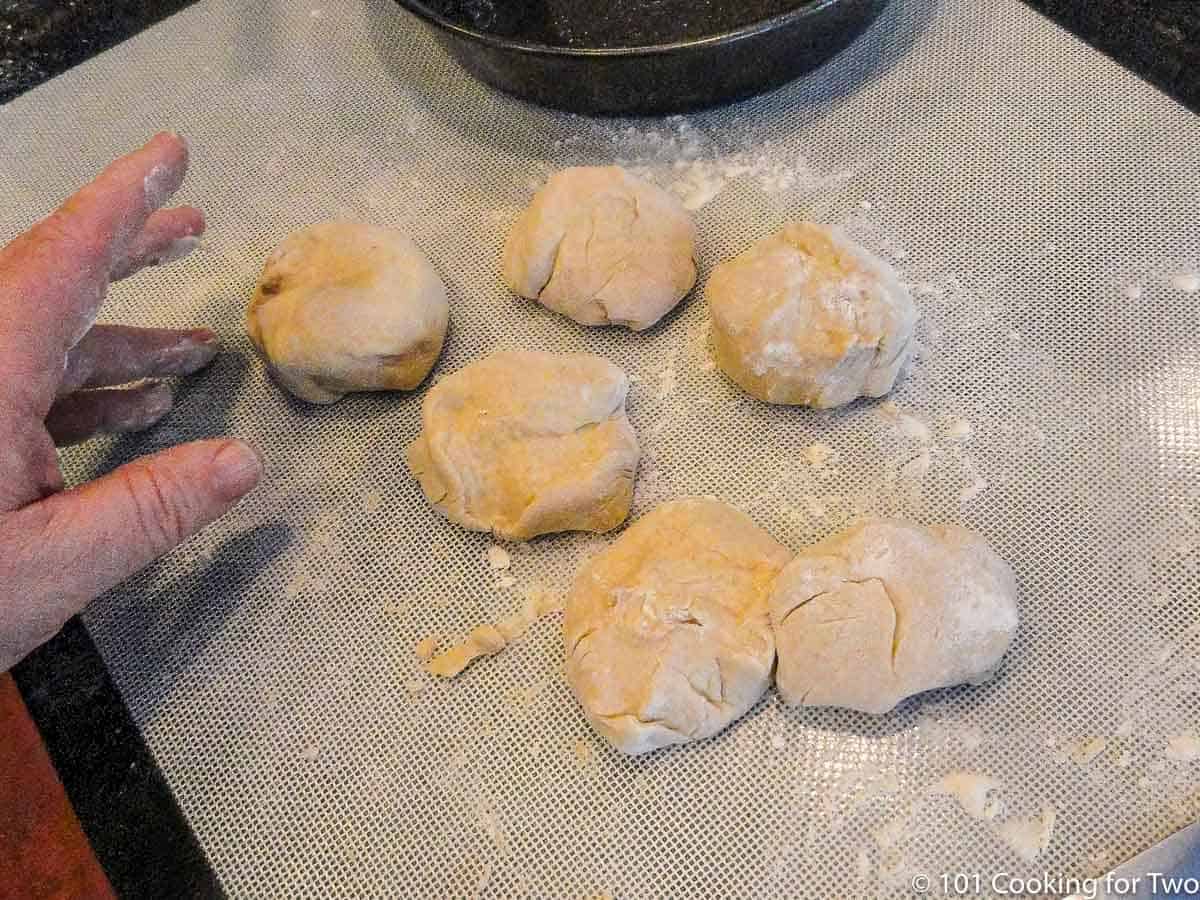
426	647
583	752
488	640
913	428
1183	748
1087	750
888	609
1028	838
524	443
959	429
809	317
345	306
818	454
971	791
667	633
602	247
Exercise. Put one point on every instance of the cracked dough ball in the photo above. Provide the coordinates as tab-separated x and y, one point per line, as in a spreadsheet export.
344	306
667	633
808	317
888	609
602	247
522	444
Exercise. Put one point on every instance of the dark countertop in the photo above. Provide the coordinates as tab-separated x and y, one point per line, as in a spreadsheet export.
131	819
123	803
41	38
1159	39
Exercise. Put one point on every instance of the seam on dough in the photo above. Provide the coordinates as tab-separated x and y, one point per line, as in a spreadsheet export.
580	429
618	266
895	642
648	687
805	602
553	263
656	723
895	615
517	430
716	704
416	349
580	640
617	269
430	468
440	459
837	620
587	244
895	620
882	362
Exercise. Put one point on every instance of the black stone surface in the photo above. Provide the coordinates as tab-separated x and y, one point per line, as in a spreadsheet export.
41	38
123	801
1157	39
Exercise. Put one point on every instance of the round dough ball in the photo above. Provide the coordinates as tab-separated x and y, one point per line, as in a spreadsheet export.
888	609
667	633
522	444
809	317
343	306
602	247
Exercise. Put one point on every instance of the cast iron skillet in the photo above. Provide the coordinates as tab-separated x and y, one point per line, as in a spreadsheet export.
627	57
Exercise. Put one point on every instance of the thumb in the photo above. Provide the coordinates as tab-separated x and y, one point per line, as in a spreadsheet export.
59	553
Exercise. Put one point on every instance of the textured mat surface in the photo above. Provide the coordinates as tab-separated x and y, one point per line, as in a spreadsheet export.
1042	203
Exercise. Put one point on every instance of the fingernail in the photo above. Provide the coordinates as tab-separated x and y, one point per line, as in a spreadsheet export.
169	135
197	350
236	469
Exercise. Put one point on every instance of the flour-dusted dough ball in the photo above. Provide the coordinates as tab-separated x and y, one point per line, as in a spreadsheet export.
344	306
667	633
888	609
809	317
603	247
522	444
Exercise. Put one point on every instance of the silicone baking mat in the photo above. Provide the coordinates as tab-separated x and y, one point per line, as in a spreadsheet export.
1042	204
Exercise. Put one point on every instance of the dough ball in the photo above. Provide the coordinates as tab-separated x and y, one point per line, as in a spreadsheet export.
888	609
667	633
522	444
809	317
344	306
603	247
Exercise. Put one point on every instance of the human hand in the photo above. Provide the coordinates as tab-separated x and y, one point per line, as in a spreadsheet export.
59	549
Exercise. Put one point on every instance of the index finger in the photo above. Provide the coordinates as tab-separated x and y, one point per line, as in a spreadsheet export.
53	277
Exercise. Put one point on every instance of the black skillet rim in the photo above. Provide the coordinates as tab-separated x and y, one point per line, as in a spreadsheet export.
804	9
